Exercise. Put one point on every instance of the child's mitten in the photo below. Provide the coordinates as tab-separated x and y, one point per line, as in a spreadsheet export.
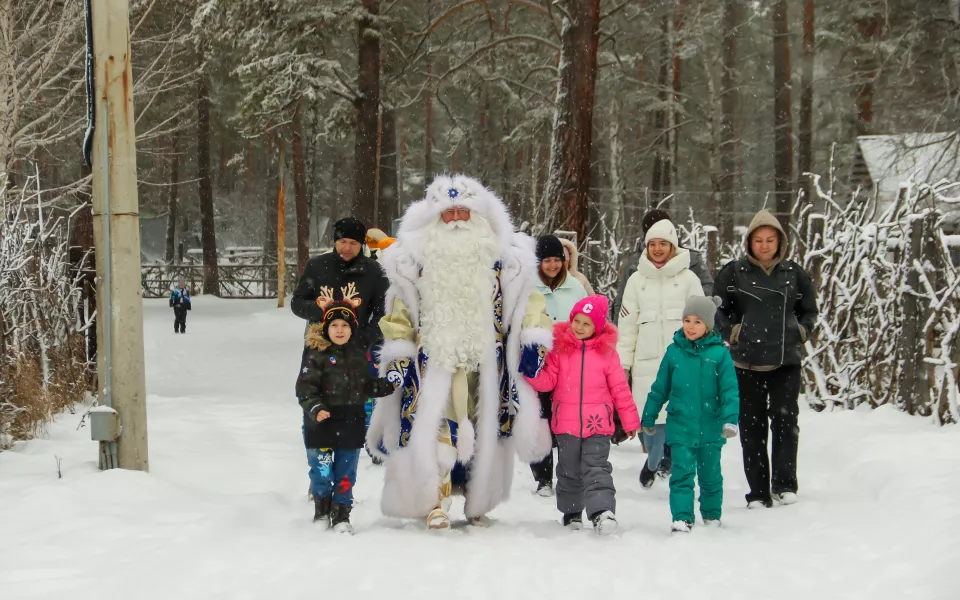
730	430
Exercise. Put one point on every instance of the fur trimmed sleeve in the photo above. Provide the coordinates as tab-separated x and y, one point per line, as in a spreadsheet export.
536	335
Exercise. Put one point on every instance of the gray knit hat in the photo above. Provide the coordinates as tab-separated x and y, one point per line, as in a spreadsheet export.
702	307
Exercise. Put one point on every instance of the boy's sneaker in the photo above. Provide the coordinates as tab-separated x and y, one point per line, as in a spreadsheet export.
545	489
573	521
647	477
321	510
711	523
681	527
340	518
604	523
786	498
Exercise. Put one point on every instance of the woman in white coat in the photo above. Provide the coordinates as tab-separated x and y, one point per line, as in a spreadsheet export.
652	311
562	291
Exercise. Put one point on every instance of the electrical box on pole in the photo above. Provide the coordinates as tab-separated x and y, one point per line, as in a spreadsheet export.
117	238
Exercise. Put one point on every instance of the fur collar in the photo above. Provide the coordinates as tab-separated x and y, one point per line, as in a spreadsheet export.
604	343
673	267
315	339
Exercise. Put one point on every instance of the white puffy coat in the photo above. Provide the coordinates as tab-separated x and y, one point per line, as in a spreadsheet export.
652	311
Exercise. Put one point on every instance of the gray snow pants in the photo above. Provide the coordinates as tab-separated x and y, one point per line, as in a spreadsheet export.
584	475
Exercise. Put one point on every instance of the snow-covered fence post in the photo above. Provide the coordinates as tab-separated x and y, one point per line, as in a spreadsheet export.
911	360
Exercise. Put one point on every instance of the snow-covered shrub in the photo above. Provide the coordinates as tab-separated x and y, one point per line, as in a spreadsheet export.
42	350
871	282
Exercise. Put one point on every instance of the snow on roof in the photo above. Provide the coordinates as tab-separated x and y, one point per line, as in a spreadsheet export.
925	157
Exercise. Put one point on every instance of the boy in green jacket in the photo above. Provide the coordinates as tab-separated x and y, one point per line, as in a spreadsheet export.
698	379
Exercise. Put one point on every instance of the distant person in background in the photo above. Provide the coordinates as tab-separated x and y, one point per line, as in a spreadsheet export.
697	264
373	238
348	272
571	260
180	302
562	292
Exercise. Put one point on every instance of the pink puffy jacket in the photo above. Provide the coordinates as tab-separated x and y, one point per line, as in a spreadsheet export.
588	384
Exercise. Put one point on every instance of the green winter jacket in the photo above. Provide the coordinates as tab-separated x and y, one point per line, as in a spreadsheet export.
700	383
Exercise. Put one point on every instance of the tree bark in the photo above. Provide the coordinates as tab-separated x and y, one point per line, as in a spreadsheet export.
211	277
805	138
388	207
782	115
368	117
428	108
730	114
171	239
678	24
865	68
271	213
568	182
660	181
300	190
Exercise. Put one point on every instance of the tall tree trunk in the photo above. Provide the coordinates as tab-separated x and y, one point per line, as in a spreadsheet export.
300	189
568	182
223	185
271	211
782	115
617	184
368	117
428	108
805	138
729	179
389	209
171	240
282	222
211	277
660	182
865	65
678	24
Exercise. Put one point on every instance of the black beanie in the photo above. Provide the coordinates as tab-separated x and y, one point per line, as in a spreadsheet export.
652	217
350	228
339	310
549	246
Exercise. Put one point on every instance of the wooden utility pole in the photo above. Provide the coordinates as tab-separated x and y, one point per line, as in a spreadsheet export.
116	219
281	212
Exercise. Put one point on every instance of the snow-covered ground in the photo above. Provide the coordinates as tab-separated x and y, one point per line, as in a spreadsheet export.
223	512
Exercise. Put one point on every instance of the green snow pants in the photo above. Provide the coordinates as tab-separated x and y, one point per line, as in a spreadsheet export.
704	464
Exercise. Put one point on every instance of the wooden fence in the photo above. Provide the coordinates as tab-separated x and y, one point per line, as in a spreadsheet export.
236	280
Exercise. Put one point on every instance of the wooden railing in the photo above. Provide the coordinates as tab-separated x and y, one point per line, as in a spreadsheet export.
236	280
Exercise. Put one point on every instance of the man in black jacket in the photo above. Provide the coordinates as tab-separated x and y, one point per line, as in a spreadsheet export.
629	268
347	275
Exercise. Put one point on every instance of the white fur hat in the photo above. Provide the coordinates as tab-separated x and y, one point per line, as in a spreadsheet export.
662	230
447	191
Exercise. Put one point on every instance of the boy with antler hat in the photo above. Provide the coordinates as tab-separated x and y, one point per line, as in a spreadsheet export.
333	385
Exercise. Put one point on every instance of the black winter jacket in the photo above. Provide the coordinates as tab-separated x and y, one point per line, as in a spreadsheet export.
765	318
329	270
336	379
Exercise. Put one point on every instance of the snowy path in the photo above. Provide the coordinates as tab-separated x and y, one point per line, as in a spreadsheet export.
223	513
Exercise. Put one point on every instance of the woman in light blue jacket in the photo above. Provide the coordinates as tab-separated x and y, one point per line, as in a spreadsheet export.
562	292
561	289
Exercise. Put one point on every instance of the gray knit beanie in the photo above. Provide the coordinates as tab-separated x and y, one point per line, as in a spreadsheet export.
702	307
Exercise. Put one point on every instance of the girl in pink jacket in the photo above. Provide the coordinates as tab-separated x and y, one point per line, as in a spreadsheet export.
588	384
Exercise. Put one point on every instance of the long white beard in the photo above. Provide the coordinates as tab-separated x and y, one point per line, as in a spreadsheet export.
456	292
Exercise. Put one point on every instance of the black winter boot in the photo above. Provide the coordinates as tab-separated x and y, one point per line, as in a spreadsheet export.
573	520
647	477
321	509
340	518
